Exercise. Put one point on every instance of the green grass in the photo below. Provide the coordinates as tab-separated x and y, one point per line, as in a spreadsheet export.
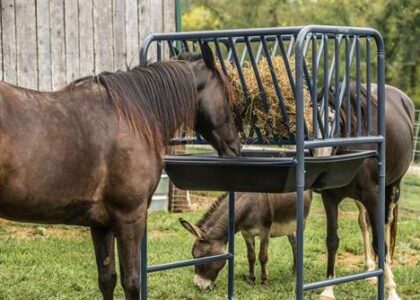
38	264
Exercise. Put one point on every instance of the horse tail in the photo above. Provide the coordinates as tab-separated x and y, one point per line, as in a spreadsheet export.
393	230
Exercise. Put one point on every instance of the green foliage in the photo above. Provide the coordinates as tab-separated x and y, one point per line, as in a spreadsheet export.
397	20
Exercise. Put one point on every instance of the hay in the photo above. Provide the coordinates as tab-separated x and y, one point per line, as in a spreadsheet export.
271	123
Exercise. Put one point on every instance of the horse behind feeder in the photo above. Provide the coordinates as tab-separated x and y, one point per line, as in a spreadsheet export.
399	115
256	214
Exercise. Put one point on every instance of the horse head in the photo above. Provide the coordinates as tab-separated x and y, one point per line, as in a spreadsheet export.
214	119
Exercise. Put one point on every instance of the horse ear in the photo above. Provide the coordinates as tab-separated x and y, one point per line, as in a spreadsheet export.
208	56
193	229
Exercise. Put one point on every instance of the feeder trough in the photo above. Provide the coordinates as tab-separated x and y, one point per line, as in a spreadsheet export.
267	171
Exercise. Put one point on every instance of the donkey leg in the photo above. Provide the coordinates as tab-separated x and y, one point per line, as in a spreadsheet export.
129	234
263	255
332	241
103	243
292	241
250	247
368	251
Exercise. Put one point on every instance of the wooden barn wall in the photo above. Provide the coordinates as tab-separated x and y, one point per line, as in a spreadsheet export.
47	43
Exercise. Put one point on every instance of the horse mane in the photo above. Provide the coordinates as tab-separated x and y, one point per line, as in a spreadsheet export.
154	100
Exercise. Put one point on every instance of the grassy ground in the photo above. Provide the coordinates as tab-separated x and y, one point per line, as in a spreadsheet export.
45	262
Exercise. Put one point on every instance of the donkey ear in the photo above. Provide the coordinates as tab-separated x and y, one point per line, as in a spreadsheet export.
208	56
193	229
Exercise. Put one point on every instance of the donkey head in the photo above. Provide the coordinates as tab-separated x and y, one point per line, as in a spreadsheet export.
205	274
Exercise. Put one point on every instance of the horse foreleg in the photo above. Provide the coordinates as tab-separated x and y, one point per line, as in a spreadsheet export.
263	255
103	243
250	247
129	234
332	241
368	251
389	277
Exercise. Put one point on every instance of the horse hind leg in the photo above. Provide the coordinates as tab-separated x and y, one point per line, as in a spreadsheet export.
373	217
103	242
368	251
392	195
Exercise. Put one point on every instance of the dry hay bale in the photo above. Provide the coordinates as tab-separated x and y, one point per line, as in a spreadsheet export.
270	123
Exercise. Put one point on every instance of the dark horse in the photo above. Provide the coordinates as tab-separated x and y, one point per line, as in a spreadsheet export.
90	154
399	114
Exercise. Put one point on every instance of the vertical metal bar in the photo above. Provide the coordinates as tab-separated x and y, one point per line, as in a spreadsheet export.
321	48
381	167
305	48
172	51
185	45
159	50
358	86
347	87
143	266
368	86
300	169
243	56
244	87
291	46
276	85
286	58
314	91
259	52
257	74
326	86
286	62
231	246
336	86
232	48
333	62
276	45
342	89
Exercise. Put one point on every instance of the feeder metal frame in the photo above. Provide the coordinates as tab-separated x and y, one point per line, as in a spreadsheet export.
299	38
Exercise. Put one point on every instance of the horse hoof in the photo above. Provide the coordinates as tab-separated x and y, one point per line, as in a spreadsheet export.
250	279
372	280
325	297
393	296
264	282
327	294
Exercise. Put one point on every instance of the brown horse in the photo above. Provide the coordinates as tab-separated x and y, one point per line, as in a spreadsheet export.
90	154
399	115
